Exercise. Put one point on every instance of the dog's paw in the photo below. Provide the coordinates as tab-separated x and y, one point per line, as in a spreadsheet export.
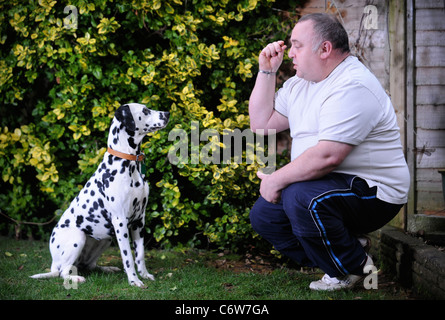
150	277
146	275
138	283
78	279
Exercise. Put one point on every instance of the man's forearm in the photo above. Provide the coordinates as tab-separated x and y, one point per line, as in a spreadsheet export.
261	101
312	164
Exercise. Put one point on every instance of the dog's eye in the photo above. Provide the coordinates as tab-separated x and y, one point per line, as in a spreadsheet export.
146	111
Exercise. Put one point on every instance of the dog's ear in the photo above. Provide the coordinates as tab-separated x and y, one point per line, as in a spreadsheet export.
123	114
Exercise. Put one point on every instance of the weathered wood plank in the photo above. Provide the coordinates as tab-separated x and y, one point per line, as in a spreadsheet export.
429	175
430	95
429	19
430	76
411	206
429	186
397	62
429	201
430	138
435	159
430	56
431	117
430	38
429	4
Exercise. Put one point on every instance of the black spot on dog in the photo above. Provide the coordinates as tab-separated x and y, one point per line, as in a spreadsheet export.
65	224
88	230
137	224
79	221
123	114
164	116
131	143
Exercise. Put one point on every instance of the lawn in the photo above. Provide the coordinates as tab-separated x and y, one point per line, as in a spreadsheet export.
190	275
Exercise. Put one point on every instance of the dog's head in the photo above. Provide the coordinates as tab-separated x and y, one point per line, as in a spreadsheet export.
140	120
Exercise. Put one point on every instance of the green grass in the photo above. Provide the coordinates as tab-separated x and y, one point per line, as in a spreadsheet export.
196	275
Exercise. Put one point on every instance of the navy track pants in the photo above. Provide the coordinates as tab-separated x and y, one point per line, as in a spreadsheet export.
316	223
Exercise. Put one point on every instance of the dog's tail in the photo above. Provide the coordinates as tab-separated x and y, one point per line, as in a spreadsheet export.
53	274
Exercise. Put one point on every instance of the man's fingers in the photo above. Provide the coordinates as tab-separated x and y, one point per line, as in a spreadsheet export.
261	175
273	49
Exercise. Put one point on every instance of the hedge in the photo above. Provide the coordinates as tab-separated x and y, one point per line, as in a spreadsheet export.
66	66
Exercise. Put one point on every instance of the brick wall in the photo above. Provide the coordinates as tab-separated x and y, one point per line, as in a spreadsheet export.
414	263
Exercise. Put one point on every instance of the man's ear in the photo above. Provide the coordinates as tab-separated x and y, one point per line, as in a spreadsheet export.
325	49
123	114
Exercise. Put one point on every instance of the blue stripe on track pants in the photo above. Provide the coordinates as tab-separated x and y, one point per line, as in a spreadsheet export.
316	223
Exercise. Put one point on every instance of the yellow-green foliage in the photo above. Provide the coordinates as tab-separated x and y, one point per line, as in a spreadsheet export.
65	67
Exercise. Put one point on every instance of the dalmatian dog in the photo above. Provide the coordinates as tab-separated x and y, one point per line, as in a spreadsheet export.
112	203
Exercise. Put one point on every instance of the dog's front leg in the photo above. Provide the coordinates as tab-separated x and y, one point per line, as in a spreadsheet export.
121	230
139	252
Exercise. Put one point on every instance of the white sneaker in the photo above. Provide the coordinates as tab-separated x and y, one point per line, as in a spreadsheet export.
328	283
365	242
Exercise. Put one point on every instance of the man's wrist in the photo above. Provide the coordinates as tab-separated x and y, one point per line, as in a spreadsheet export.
267	72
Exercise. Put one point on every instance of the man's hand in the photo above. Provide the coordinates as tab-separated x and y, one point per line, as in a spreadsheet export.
271	56
268	188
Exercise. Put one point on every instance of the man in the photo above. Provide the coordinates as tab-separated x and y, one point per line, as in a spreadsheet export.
347	174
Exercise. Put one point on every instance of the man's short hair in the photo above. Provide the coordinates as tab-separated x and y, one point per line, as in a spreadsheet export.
327	28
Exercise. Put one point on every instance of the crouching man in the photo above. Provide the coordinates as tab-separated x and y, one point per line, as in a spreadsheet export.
347	175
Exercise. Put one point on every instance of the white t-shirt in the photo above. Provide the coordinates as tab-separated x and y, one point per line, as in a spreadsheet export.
349	106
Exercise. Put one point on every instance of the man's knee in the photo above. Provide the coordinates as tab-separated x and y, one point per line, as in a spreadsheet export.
295	197
257	216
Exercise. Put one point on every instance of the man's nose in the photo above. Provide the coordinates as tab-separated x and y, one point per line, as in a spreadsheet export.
290	54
